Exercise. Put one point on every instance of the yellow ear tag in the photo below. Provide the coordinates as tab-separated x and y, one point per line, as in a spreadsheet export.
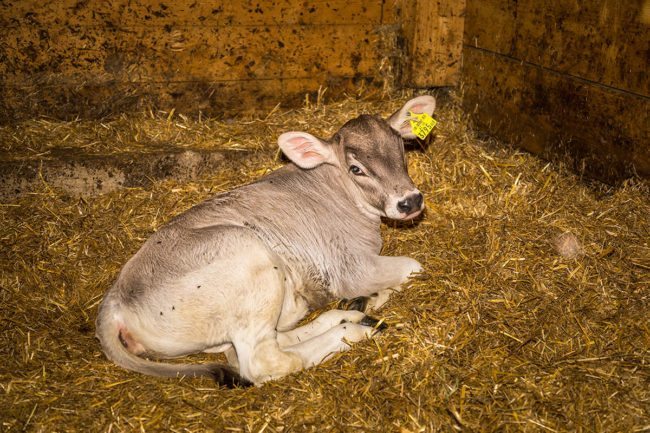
422	124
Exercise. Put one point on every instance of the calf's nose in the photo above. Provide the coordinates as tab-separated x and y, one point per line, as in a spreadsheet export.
411	203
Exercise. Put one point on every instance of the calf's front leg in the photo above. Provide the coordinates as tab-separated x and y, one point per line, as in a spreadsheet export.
318	348
385	275
324	323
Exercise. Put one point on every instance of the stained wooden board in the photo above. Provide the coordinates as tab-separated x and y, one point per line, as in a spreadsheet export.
147	13
46	14
256	52
601	41
252	12
491	25
549	113
192	53
86	98
27	51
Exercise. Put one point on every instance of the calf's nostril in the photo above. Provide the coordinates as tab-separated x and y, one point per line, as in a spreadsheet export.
405	205
411	203
417	201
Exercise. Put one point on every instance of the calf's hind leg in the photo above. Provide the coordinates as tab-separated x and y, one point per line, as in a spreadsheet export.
261	358
263	353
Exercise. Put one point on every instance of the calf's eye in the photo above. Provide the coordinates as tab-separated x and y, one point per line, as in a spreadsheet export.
356	170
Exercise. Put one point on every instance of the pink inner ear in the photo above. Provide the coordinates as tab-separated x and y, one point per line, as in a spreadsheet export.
304	150
299	143
417	108
311	154
302	146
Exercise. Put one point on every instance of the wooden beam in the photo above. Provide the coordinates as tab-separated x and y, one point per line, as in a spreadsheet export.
434	34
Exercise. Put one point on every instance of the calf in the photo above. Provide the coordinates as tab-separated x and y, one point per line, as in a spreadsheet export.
236	273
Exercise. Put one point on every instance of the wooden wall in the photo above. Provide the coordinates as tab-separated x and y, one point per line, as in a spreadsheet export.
95	57
563	77
91	58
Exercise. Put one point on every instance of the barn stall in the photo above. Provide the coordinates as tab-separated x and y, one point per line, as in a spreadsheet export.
532	313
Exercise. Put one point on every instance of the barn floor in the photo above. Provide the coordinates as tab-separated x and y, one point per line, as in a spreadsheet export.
534	316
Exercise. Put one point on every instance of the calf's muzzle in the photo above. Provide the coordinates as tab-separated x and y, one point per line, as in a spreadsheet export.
411	203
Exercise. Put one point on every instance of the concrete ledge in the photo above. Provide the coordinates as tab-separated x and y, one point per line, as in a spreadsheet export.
86	175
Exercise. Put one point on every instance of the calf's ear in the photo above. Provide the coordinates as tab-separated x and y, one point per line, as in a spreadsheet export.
399	120
305	150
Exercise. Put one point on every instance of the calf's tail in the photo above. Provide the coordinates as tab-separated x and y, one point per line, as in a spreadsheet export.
108	333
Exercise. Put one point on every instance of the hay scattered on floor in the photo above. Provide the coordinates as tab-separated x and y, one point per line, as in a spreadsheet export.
506	334
151	131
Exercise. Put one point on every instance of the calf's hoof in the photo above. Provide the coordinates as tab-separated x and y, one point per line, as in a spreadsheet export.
359	304
374	323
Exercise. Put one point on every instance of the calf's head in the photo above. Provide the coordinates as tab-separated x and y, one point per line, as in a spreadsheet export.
369	153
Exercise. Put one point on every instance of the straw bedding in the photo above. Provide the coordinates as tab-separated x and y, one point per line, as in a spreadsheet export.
533	315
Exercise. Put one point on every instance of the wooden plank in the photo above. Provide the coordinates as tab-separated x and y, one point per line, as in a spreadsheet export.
251	12
154	13
192	53
491	25
601	41
71	37
44	15
88	98
29	51
255	52
398	12
549	113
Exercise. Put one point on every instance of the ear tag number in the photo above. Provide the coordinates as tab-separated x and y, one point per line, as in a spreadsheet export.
421	124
